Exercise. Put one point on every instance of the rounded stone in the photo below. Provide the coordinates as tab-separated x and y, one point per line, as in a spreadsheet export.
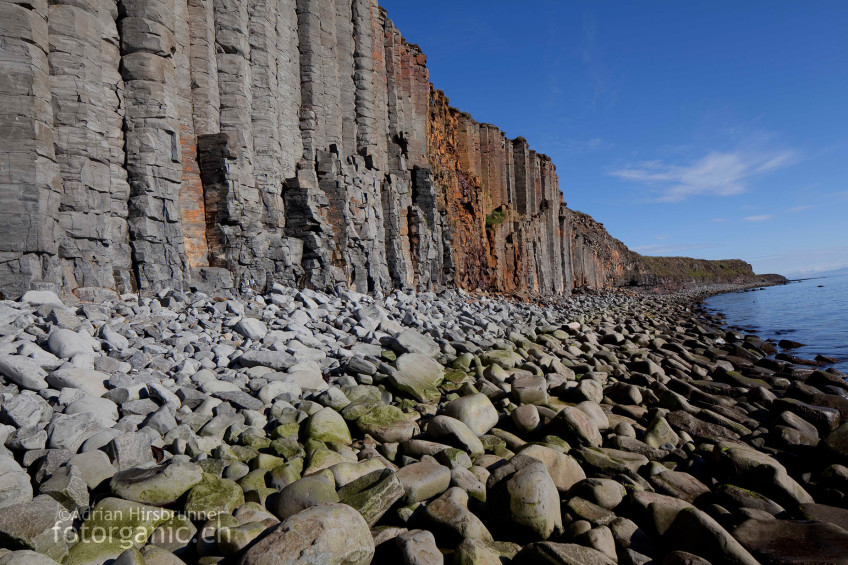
212	496
328	426
533	501
158	486
330	533
418	376
304	493
475	411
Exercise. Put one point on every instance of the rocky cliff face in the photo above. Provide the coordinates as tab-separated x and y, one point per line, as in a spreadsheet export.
231	143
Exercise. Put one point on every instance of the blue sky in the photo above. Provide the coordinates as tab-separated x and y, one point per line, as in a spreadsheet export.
710	129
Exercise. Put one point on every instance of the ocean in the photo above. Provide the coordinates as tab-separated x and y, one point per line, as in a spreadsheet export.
812	311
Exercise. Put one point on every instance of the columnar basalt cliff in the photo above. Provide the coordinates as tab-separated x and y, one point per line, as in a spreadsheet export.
231	143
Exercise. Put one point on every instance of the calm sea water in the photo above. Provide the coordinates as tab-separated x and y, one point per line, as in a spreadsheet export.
812	311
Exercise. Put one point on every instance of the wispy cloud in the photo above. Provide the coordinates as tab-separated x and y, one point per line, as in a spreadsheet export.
717	173
760	218
595	143
718	220
799	208
592	56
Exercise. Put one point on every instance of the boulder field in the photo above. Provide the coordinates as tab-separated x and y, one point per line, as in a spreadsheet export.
301	427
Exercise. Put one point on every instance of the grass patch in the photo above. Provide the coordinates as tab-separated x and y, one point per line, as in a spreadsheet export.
495	218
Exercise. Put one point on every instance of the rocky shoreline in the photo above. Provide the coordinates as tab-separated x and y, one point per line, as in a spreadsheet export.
303	427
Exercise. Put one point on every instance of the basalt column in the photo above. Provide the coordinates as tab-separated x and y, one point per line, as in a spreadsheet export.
307	206
192	207
30	184
395	190
80	142
154	162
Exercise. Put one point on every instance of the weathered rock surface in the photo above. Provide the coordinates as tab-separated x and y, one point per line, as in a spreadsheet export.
225	146
331	533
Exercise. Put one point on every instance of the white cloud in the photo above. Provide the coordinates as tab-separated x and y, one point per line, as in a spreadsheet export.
760	218
717	173
718	220
799	208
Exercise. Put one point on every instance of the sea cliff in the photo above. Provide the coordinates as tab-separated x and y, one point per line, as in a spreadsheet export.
222	144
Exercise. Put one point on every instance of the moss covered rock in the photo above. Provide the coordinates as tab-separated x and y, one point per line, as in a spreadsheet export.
386	423
328	426
212	496
158	486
